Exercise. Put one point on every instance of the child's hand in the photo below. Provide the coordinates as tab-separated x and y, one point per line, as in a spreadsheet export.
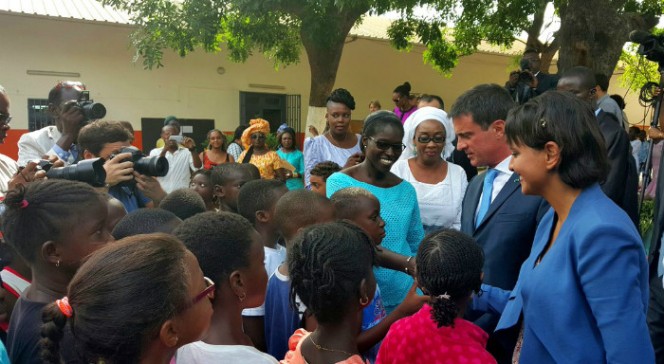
413	302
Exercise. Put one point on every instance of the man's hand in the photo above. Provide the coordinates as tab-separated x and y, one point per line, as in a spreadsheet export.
119	169
188	143
655	134
150	187
31	172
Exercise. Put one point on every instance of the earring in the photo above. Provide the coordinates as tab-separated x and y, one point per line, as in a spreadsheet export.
57	264
364	301
242	296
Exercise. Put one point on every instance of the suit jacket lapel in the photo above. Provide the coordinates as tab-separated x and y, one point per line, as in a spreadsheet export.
509	188
471	200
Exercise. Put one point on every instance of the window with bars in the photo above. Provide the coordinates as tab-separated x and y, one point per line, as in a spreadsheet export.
38	116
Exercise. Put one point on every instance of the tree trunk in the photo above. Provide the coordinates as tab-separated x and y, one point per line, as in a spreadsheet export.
593	32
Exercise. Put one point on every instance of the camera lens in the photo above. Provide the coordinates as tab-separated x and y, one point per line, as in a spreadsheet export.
152	166
93	110
90	171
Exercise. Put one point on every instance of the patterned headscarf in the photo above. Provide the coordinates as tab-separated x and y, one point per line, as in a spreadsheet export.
255	126
423	114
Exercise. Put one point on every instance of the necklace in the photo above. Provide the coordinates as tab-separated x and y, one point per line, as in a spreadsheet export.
326	349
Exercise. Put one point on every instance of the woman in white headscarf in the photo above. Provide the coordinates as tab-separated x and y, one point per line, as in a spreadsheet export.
440	185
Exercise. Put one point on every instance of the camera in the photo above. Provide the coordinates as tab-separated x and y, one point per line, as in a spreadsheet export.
525	75
90	109
150	166
90	171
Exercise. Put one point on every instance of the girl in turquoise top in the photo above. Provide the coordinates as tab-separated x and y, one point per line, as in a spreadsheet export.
289	152
381	143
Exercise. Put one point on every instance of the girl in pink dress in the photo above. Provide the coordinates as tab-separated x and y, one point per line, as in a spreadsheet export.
331	273
449	270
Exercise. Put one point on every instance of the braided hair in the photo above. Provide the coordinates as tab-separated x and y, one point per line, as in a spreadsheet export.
342	96
449	269
327	263
119	299
324	169
43	211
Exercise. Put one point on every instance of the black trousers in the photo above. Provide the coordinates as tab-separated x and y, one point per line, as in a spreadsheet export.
656	317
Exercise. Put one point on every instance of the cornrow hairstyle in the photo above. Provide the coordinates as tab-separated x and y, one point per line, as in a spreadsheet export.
120	297
258	195
145	221
297	209
184	203
218	254
43	211
223	139
221	173
403	89
292	133
347	200
342	96
325	169
449	268
377	121
95	135
327	263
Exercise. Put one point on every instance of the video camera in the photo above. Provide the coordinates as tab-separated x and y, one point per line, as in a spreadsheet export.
90	109
90	171
525	75
651	46
150	166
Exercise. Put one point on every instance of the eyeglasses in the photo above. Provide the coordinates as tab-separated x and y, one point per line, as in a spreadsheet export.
425	139
385	145
5	118
207	292
257	136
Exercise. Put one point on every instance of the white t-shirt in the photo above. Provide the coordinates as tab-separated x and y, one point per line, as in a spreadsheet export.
180	166
273	259
201	353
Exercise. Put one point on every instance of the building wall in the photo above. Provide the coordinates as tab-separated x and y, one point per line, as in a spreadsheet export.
191	87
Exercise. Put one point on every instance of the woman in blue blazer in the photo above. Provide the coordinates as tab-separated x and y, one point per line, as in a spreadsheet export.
582	295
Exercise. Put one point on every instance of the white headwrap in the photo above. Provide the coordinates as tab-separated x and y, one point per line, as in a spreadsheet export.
423	114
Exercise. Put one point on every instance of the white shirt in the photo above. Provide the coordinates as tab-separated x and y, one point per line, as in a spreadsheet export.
273	259
503	176
440	203
201	353
8	168
180	166
34	145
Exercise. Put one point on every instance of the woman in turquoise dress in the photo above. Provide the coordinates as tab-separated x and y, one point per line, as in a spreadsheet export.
288	151
381	143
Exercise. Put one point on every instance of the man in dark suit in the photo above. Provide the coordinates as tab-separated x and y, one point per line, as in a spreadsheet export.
621	184
544	81
495	212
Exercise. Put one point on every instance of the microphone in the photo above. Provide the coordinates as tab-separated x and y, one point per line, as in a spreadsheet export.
641	37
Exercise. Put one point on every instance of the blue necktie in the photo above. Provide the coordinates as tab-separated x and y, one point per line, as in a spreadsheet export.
486	195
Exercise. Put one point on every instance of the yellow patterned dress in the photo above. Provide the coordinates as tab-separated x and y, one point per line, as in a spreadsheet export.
267	163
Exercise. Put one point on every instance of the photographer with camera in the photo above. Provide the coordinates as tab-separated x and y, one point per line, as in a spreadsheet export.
110	141
70	105
183	159
529	81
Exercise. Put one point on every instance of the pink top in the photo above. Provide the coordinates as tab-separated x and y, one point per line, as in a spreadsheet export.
404	115
417	339
294	354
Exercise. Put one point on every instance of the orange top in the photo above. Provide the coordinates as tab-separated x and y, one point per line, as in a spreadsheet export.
294	354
